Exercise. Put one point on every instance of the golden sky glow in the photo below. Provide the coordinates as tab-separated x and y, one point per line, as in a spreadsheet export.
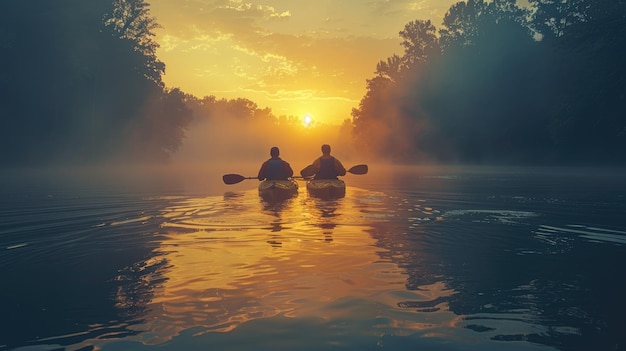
295	57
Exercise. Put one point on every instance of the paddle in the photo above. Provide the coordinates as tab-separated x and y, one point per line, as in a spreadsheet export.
235	178
359	169
309	170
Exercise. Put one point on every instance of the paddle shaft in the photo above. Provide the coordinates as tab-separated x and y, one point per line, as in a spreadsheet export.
237	178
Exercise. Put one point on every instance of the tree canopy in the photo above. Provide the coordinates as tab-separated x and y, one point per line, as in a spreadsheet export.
496	82
503	83
82	83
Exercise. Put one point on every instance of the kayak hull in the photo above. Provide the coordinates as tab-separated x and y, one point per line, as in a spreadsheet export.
326	188
278	190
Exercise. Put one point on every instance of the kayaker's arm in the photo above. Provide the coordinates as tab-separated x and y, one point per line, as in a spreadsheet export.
308	171
316	166
263	171
339	168
288	169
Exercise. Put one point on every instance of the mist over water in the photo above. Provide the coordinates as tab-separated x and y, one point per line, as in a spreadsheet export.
170	258
198	176
126	237
237	146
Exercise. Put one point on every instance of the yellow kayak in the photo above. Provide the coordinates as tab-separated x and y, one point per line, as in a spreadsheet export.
326	188
277	190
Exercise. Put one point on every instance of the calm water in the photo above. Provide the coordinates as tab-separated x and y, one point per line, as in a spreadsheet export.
419	259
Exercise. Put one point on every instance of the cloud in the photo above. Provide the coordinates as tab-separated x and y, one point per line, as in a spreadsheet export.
320	50
169	42
284	14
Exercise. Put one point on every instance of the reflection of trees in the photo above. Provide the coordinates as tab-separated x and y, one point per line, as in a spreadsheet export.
218	275
498	277
137	284
91	281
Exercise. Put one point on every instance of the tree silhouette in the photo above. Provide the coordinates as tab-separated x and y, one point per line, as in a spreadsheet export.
503	84
80	83
420	42
388	117
131	20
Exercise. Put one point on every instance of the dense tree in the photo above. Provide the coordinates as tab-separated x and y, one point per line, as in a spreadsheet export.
496	83
488	71
552	18
420	42
504	83
82	81
385	121
586	37
131	20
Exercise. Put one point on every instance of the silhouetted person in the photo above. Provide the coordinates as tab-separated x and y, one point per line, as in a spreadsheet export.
325	167
275	168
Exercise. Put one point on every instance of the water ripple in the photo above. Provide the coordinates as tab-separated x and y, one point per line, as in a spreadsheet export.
554	234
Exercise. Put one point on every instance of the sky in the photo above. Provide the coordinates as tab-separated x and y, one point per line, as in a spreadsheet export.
297	57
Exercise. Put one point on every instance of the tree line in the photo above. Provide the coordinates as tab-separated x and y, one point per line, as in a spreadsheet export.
222	129
81	83
498	82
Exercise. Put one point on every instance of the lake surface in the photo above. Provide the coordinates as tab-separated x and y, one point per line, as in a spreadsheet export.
411	259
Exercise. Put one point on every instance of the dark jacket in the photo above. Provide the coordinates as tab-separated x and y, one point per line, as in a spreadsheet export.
275	169
328	167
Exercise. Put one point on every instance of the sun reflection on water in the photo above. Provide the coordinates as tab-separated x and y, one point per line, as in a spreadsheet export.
232	259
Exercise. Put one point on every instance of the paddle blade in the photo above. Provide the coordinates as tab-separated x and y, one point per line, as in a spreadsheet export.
358	169
232	178
308	171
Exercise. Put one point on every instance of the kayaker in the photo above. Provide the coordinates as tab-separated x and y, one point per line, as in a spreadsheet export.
275	168
325	166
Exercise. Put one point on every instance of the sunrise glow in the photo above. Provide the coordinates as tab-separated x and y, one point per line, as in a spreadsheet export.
307	120
284	55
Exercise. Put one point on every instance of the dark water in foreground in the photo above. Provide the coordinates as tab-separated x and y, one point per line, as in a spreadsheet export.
431	259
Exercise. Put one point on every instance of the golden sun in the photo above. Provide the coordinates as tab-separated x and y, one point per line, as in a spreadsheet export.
307	120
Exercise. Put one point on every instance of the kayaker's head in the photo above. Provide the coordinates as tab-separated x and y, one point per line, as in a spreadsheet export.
274	151
326	149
